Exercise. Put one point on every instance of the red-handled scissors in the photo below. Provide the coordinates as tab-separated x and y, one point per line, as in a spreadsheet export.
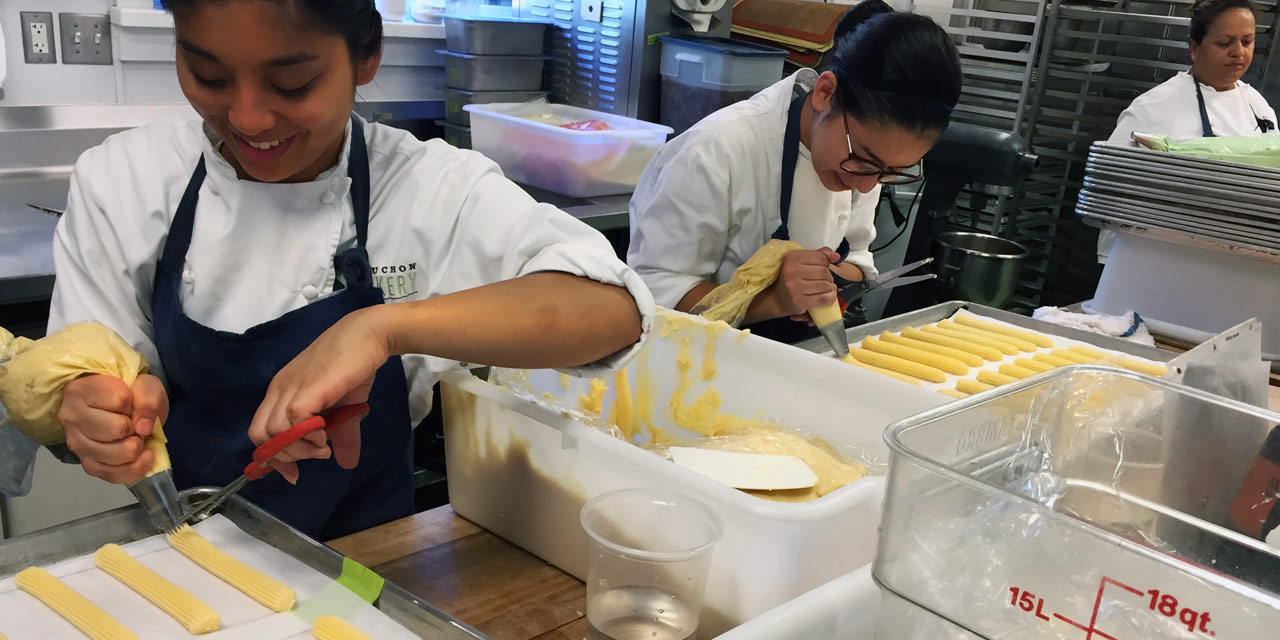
259	467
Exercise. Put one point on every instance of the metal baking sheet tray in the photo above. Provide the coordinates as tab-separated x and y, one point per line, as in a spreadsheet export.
1129	151
1147	169
1177	186
1206	176
1220	198
1199	227
1197	224
1217	223
1235	222
945	310
127	524
1146	207
1159	196
1193	232
1220	239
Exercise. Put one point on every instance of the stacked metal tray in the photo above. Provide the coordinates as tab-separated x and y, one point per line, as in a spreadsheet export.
128	524
942	311
1224	202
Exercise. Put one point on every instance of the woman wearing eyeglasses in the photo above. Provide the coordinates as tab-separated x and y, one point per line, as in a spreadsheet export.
783	165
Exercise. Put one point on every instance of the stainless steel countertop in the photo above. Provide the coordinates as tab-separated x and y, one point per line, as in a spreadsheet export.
604	213
26	235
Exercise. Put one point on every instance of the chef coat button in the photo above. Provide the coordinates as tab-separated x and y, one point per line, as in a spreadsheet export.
310	292
188	277
328	197
213	189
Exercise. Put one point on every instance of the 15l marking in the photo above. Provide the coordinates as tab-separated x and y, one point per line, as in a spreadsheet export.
1157	601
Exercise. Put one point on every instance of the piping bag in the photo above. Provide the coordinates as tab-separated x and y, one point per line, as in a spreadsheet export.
729	301
33	375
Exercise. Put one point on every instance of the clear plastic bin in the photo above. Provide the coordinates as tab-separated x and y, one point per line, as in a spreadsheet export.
580	164
1085	501
702	74
456	99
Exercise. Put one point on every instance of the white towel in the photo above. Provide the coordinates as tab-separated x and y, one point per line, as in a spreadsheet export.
1128	326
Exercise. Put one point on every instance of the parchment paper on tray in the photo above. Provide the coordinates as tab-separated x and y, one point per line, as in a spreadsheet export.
23	617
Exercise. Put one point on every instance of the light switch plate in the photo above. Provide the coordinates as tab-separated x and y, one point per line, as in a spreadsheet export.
86	38
38	41
592	10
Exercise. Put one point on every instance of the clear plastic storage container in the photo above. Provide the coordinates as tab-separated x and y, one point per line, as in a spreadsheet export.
1082	502
703	74
533	147
456	99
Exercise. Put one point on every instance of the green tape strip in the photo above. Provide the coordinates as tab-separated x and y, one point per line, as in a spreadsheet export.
333	600
360	580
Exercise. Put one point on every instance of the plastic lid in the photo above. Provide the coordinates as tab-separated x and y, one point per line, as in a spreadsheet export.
495	18
727	45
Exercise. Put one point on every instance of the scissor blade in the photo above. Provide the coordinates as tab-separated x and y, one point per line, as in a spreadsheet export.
52	212
898	282
211	504
906	268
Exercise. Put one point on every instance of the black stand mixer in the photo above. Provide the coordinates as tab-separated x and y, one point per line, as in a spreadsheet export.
990	163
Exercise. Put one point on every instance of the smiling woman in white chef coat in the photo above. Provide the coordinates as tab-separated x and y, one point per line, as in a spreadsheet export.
248	255
784	163
1208	100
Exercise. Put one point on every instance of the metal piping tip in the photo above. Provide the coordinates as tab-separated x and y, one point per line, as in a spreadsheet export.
159	497
835	335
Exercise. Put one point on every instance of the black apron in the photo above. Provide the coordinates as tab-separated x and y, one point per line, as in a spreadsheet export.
1206	128
785	329
217	379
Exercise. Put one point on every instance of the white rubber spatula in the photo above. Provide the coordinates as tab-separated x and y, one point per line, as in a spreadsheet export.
752	471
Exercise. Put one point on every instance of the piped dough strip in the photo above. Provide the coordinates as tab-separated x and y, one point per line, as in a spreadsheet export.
191	612
86	616
266	590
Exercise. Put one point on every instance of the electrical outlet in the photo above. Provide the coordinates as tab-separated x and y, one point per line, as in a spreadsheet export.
86	38
37	37
592	10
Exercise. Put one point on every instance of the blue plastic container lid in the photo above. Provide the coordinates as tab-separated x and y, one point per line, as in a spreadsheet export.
727	46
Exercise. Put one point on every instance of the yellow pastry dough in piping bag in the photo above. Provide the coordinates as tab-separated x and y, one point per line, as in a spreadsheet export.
34	373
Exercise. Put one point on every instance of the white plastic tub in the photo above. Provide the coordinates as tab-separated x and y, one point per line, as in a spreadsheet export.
522	466
581	164
845	608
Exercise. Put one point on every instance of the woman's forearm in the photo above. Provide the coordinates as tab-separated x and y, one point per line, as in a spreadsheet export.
542	320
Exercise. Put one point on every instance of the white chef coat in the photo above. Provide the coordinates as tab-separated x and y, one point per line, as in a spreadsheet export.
709	199
1171	109
441	220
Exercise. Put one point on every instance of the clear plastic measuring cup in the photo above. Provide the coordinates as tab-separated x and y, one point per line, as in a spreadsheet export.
648	556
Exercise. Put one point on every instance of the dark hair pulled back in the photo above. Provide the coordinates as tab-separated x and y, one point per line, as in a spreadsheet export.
895	68
1204	12
357	21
